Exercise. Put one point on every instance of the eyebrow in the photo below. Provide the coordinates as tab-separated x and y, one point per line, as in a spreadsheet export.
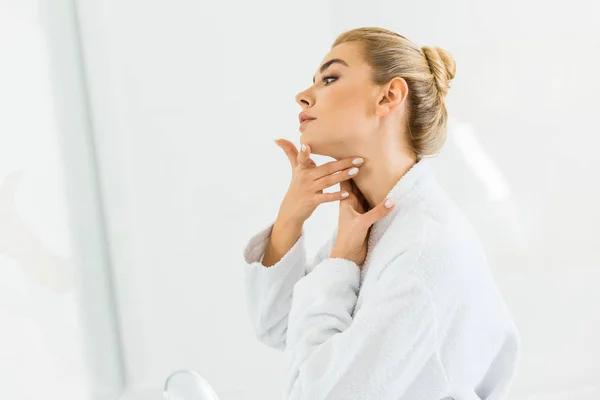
328	63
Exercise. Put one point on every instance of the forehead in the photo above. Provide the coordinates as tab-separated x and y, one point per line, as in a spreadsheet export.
348	51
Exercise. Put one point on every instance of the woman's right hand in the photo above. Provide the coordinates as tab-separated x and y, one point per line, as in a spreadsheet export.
305	192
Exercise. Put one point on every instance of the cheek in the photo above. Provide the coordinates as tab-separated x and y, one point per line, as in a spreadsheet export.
351	112
345	106
343	116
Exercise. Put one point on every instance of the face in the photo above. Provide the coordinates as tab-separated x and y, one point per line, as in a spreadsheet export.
343	100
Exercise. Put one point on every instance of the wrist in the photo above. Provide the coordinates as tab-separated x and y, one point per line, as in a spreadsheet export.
288	222
288	225
337	253
286	231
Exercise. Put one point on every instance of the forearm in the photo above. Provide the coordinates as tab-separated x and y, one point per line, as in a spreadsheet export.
283	237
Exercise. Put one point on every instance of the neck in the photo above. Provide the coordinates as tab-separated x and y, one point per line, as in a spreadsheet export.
378	174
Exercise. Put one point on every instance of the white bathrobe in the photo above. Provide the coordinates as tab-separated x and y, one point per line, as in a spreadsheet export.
422	320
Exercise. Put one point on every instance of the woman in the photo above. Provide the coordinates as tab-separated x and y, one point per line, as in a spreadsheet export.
400	303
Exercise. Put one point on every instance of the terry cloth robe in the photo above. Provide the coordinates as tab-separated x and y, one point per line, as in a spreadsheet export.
422	320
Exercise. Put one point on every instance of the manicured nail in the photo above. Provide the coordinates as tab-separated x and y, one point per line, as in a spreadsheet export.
357	161
389	203
345	194
303	147
353	171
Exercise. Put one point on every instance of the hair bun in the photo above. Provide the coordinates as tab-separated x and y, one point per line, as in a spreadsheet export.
442	66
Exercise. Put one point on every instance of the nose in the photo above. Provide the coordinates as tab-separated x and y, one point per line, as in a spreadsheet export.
303	99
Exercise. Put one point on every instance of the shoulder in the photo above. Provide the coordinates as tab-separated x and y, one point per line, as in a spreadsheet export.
449	234
436	243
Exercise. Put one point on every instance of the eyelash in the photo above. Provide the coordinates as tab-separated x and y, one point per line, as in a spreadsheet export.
329	77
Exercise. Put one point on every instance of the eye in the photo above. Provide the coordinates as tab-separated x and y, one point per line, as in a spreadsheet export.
329	77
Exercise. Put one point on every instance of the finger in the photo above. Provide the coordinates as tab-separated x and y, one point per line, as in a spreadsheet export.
304	159
352	199
334	167
329	197
333	179
379	212
290	151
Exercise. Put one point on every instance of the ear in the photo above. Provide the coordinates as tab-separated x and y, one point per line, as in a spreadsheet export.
392	96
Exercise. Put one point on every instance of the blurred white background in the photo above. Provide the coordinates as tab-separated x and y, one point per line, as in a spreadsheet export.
136	159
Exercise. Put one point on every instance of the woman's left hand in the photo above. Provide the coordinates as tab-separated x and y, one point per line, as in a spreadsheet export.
354	224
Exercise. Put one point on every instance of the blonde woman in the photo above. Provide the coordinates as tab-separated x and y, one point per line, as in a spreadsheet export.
400	303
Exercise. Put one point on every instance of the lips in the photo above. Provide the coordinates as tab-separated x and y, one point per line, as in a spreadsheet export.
304	116
306	121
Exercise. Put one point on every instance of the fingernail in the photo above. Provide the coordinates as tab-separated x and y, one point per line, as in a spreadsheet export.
353	171
357	161
345	194
303	147
389	203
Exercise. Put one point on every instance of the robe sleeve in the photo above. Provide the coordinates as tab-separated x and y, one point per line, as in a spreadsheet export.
268	291
375	355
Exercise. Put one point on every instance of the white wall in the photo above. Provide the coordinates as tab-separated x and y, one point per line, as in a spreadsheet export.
186	97
58	334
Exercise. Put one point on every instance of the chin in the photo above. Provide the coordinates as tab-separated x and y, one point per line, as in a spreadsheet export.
319	148
315	147
318	145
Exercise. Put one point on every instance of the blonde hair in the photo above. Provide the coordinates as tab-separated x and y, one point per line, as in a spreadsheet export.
427	71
